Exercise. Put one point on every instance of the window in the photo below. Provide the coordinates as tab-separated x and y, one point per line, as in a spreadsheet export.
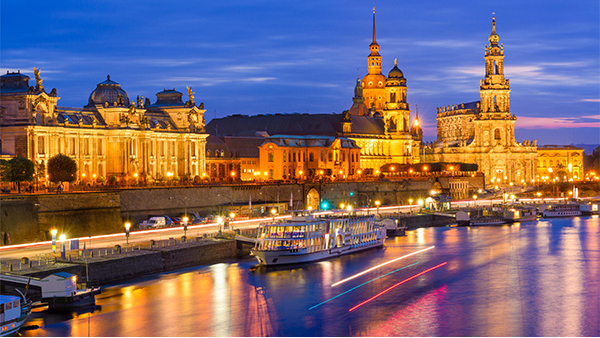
330	156
311	157
497	134
41	145
294	157
72	144
284	158
271	157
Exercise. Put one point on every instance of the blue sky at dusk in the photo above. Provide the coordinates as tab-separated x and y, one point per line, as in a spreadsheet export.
257	57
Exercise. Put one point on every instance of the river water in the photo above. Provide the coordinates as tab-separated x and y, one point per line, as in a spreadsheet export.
538	278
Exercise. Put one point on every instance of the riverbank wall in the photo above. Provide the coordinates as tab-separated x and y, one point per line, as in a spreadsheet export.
104	266
28	218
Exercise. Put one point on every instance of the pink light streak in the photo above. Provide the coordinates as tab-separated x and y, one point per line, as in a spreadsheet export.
395	285
380	265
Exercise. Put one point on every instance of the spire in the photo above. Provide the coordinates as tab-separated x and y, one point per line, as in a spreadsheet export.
494	38
374	40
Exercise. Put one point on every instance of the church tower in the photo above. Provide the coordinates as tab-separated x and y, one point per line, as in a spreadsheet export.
494	124
494	89
374	82
396	113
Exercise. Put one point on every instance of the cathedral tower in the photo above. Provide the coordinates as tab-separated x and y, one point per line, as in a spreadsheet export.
374	82
494	90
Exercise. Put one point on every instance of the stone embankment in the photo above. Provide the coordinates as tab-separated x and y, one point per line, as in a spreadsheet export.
101	266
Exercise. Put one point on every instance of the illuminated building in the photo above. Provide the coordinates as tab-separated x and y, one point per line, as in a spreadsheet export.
111	135
296	157
231	158
482	132
563	163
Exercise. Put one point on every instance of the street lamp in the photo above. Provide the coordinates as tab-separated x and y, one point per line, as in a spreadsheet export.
63	238
220	221
420	204
377	203
53	232
127	226
475	200
185	219
273	212
410	200
184	205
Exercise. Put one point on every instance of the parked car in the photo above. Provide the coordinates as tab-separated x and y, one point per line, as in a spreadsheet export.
153	222
168	220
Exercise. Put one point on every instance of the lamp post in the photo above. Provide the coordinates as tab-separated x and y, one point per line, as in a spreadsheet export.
377	203
220	221
475	200
273	212
183	202
127	226
231	216
410	200
53	232
185	220
229	198
63	238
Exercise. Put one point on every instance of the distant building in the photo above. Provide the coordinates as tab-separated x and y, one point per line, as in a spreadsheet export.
560	163
111	135
482	132
300	157
231	158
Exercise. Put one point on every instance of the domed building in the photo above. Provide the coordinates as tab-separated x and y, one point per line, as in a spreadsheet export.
108	93
111	135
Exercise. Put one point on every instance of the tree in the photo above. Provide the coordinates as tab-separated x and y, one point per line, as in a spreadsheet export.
61	168
18	169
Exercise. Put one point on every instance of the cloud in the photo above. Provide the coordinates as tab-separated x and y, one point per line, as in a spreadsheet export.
590	100
529	122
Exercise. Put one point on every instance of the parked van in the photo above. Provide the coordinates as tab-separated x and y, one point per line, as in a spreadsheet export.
154	222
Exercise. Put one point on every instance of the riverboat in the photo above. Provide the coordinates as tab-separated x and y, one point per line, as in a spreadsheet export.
520	214
562	210
12	314
486	220
306	238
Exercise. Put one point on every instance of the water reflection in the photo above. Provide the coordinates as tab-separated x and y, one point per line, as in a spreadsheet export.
533	279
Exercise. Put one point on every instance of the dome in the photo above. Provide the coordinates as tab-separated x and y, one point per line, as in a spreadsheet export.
395	72
108	91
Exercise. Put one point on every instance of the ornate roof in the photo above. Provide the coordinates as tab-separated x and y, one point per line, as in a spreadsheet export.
108	91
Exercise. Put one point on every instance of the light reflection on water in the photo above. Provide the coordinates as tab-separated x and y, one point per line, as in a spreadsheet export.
531	279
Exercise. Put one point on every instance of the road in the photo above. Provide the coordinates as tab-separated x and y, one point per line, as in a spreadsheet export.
31	250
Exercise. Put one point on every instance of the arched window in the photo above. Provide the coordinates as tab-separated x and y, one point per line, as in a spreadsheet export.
497	134
270	158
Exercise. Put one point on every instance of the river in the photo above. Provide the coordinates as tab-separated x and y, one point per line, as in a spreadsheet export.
538	278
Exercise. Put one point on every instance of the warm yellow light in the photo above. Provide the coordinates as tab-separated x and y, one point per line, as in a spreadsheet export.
410	200
83	175
474	197
410	171
74	279
203	174
127	226
94	175
377	203
349	207
265	173
273	211
425	168
63	238
233	173
451	168
421	202
232	215
220	220
320	172
550	170
377	171
135	175
53	232
393	168
342	205
300	172
359	171
185	219
309	207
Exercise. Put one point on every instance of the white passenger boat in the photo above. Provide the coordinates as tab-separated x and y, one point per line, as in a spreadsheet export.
562	210
306	238
486	220
13	314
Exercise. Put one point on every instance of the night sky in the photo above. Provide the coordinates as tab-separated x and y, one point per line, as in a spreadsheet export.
257	57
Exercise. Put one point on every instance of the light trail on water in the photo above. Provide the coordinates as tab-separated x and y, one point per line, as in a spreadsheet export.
380	265
395	285
356	287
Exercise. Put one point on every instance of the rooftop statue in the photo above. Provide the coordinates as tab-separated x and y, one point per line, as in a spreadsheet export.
190	94
38	79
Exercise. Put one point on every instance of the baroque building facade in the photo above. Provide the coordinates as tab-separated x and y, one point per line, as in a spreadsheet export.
482	132
111	135
560	163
